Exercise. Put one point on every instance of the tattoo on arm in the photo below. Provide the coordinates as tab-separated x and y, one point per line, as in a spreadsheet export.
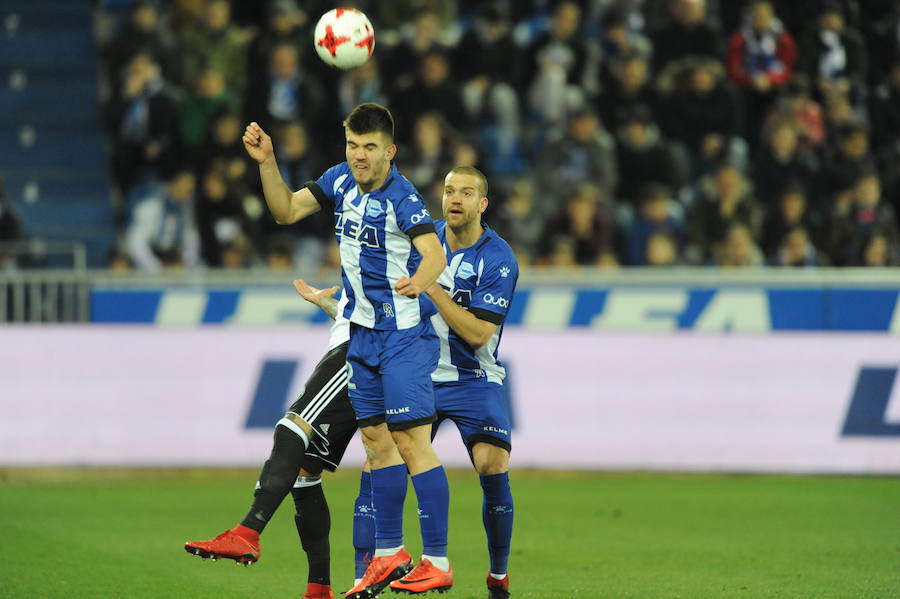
330	306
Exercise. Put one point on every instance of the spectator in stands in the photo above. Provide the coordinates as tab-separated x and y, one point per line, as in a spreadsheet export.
162	233
519	222
737	248
885	107
796	105
196	111
223	216
725	200
554	66
429	155
11	229
214	42
618	42
142	121
486	62
223	146
404	62
142	34
791	211
865	216
689	33
780	160
643	156
629	89
878	252
833	54
761	56
587	153
280	253
662	250
657	213
847	159
360	85
561	253
284	92
300	162
394	15
433	91
587	220
883	41
703	114
796	249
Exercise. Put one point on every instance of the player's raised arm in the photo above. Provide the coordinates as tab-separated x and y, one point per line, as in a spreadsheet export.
323	298
286	206
473	330
434	261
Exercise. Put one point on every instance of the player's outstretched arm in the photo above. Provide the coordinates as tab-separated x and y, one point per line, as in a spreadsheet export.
433	263
323	298
287	207
472	329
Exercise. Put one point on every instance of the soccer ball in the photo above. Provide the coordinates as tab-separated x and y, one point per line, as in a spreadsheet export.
344	38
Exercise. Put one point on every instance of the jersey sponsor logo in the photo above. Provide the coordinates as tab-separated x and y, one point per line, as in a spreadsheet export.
365	234
466	270
479	373
325	427
388	310
413	197
374	209
496	301
395	411
495	429
419	216
504	271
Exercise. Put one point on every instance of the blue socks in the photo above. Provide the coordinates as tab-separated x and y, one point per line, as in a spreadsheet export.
497	513
363	524
388	494
433	494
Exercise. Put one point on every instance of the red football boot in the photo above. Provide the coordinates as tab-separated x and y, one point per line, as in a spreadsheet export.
228	545
380	573
317	591
424	577
498	589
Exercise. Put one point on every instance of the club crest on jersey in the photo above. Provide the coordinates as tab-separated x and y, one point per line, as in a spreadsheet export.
374	209
466	270
365	234
504	271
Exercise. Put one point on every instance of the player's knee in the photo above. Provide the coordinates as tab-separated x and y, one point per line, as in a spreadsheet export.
490	459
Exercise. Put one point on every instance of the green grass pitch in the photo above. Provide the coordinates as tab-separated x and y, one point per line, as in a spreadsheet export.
119	533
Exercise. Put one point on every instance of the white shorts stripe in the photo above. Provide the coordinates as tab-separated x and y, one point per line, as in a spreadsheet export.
328	392
295	428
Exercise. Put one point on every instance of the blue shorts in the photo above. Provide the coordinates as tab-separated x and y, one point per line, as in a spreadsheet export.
479	410
390	375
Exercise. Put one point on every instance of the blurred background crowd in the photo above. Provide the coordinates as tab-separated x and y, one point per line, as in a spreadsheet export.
613	132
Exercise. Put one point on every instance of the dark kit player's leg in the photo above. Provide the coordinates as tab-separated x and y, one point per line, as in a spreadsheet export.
325	390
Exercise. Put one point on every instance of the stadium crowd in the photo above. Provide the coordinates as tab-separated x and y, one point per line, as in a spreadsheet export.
613	132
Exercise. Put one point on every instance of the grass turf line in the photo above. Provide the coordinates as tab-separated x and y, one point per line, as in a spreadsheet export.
111	533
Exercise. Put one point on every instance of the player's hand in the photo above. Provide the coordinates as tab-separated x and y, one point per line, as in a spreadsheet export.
313	295
257	143
408	287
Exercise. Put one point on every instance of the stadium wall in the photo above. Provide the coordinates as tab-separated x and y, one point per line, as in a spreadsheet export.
581	398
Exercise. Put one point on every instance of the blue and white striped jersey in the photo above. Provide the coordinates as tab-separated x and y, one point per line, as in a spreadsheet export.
482	279
375	232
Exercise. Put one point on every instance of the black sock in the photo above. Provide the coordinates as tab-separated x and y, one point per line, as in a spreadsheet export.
277	477
313	525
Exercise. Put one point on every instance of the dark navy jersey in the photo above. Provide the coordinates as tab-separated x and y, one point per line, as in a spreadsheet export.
482	279
375	232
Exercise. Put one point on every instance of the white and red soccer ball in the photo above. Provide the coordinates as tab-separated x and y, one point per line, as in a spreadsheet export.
344	38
